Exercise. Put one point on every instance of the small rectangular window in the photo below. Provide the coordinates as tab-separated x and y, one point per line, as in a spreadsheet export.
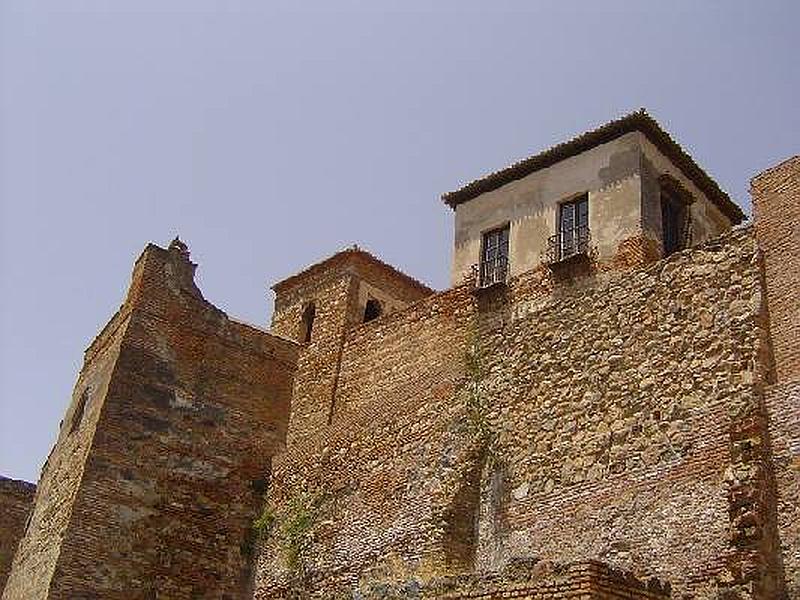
573	227
307	322
494	256
673	223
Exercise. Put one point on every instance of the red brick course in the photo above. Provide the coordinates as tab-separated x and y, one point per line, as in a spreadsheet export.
783	407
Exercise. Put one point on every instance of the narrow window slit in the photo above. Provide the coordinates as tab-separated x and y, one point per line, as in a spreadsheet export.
307	323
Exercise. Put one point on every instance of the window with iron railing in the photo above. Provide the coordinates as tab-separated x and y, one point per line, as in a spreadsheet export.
572	237
493	267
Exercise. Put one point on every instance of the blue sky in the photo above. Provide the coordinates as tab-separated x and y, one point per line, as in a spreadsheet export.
269	136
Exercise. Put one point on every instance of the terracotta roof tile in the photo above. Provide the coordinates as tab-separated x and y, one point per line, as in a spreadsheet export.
635	121
351	251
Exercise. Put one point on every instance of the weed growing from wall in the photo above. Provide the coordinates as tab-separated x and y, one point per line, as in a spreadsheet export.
476	402
263	524
291	527
296	527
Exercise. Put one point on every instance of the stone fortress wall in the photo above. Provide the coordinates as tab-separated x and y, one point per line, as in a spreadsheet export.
625	413
597	431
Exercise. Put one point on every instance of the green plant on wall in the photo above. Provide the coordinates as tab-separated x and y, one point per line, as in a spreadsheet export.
296	527
476	403
264	522
291	527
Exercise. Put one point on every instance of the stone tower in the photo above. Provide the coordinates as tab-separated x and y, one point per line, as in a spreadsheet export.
157	472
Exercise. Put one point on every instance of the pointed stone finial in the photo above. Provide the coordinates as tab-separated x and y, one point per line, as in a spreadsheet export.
181	268
180	247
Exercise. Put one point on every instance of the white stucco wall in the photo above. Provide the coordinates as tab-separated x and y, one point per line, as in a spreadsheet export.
609	173
707	220
621	180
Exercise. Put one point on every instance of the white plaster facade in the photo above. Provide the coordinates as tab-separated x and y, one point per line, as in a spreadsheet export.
621	180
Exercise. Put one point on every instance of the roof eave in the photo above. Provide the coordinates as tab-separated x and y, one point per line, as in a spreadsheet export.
636	121
297	277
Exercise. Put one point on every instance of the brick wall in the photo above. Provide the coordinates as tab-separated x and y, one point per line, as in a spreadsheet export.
776	202
783	404
16	502
333	288
625	416
776	199
396	375
152	493
317	371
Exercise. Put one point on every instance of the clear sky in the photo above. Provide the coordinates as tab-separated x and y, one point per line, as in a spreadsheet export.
270	136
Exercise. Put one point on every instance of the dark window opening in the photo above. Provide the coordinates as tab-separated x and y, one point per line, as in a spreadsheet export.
80	409
494	257
673	224
372	310
572	236
307	323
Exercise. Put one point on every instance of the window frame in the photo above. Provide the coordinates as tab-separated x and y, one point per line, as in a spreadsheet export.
500	268
579	234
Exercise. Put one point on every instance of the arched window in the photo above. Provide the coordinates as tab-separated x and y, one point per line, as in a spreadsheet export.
372	310
307	323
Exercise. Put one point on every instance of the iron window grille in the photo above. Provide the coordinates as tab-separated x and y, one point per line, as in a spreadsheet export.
493	271
572	234
493	267
566	244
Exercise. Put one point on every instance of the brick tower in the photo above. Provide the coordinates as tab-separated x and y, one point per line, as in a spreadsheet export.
156	475
318	306
776	200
